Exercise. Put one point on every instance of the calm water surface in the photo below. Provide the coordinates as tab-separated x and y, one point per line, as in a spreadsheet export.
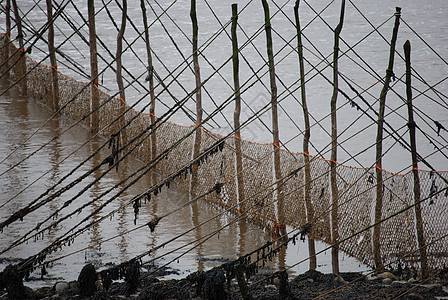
21	117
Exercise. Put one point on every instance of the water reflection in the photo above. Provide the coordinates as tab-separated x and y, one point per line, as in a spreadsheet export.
20	117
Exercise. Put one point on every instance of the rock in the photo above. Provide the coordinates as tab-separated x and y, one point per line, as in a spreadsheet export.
387	281
276	281
13	282
87	280
131	276
399	284
61	287
283	285
99	285
388	275
214	285
414	296
73	285
412	280
339	279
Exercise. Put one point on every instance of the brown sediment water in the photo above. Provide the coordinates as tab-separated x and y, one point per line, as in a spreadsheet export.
21	118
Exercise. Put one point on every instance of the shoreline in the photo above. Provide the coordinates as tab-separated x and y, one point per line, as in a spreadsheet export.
136	282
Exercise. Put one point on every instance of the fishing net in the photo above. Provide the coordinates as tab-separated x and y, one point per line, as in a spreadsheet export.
357	195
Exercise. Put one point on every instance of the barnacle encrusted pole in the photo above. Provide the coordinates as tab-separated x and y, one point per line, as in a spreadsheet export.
20	70
150	78
94	92
306	139
278	193
6	40
411	124
119	52
54	73
379	149
236	113
334	144
197	74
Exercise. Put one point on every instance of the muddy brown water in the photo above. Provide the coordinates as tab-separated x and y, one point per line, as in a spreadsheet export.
21	118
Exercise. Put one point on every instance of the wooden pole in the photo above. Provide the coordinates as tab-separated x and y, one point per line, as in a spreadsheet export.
7	40
21	66
334	143
379	149
278	194
95	94
236	113
119	71
152	107
197	74
54	73
306	139
411	125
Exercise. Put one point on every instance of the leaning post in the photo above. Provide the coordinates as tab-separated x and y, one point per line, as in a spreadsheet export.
94	92
6	40
236	113
379	149
118	55
278	182
54	71
306	139
152	107
21	66
197	74
411	125
334	144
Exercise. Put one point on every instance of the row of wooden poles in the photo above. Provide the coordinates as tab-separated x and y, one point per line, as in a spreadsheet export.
277	176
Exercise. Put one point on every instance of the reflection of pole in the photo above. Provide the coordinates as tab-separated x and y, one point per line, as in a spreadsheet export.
411	125
334	143
6	40
275	135
197	74
379	149
119	70
95	94
21	66
150	78
54	73
236	114
96	238
306	139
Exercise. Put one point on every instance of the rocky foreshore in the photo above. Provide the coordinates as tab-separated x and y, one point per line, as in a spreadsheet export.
219	284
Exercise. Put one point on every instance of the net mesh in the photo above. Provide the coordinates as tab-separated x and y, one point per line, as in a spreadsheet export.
356	185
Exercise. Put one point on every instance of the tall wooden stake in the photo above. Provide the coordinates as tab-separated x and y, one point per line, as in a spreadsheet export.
275	133
152	107
334	144
95	94
54	66
21	66
119	71
411	125
7	40
197	73
379	149
306	139
236	113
